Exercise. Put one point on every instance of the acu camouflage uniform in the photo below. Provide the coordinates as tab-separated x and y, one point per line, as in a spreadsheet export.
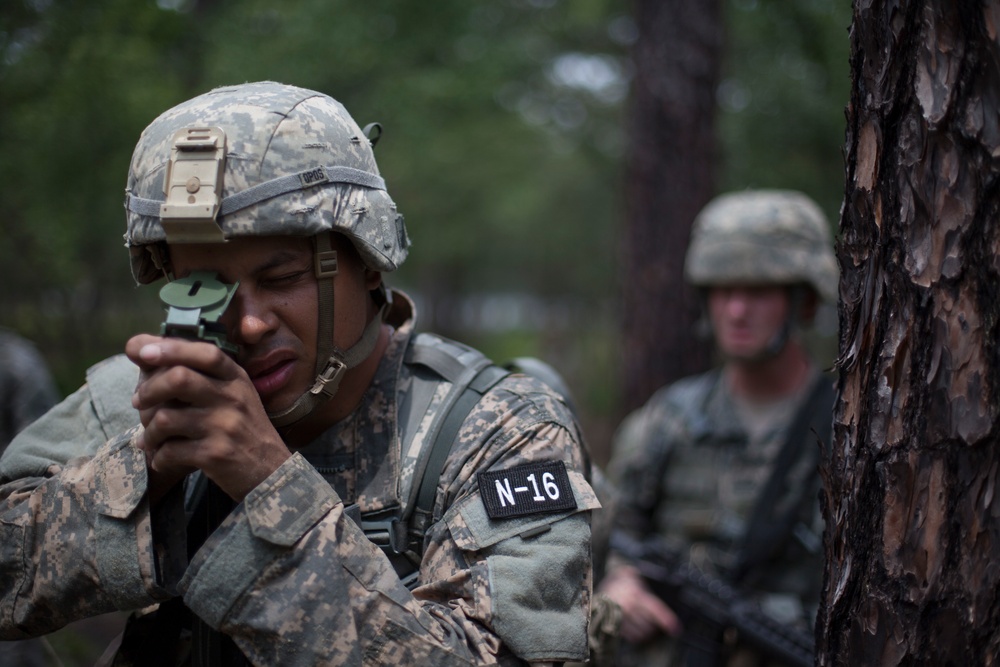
690	474
289	575
690	471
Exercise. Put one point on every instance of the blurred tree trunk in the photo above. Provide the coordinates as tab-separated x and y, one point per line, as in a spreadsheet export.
911	498
669	177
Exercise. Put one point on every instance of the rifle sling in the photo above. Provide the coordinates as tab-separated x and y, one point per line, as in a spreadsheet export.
765	533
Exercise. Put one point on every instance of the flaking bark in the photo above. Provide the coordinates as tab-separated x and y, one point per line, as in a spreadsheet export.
910	500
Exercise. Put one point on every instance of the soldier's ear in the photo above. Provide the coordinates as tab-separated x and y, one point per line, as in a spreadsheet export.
373	279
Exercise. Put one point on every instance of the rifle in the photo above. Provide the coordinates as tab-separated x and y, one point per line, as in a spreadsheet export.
713	612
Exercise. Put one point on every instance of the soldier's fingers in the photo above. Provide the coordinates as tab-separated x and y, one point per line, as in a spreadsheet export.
632	631
145	417
169	463
177	385
152	351
135	344
146	446
167	423
654	615
664	617
183	455
173	454
644	615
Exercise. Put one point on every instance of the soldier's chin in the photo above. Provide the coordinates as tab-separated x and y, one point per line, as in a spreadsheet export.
747	355
278	404
740	350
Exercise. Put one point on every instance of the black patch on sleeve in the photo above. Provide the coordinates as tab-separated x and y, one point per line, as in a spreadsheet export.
534	488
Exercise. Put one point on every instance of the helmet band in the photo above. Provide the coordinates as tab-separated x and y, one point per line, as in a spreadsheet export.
270	189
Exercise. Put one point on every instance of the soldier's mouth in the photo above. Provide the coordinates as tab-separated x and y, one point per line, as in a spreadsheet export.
273	378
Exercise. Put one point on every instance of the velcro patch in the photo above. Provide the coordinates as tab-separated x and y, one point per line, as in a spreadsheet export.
533	488
313	176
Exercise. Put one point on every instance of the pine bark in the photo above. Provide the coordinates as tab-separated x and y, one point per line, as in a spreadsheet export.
669	177
910	496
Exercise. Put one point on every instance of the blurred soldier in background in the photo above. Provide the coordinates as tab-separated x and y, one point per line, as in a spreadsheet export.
720	470
26	387
298	478
26	393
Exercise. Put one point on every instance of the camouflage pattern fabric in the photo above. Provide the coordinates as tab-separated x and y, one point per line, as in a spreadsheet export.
289	576
26	387
273	131
762	237
688	472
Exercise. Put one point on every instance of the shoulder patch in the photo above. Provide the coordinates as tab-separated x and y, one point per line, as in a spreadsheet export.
533	488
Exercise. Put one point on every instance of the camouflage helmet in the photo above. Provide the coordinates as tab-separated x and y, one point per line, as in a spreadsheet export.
267	159
762	237
258	159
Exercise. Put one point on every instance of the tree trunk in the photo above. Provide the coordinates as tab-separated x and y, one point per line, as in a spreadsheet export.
910	500
669	177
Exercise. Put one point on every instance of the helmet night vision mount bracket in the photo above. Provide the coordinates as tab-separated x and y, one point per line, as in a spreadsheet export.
193	186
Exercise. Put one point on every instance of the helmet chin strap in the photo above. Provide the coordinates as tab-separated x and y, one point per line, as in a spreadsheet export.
331	362
781	337
777	342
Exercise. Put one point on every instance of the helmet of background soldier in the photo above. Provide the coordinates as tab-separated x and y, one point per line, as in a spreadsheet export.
266	159
762	237
293	162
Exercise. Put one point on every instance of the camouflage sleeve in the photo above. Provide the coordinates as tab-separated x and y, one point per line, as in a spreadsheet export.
78	426
294	580
68	430
77	542
639	457
75	530
527	579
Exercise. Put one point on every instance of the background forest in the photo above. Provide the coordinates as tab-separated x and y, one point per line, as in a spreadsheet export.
503	146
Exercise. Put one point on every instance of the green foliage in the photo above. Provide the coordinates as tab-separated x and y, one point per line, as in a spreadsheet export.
79	83
785	87
502	144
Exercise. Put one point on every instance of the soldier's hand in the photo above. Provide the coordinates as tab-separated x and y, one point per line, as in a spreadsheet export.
644	615
200	411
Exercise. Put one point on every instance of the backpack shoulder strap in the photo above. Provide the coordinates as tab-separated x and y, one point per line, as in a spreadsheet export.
448	379
444	439
441	370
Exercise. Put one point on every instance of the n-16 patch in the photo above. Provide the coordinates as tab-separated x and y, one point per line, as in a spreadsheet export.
532	488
